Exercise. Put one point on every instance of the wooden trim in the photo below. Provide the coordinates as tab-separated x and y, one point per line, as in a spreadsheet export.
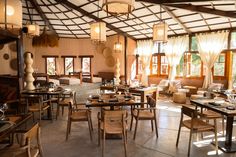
85	56
47	56
68	56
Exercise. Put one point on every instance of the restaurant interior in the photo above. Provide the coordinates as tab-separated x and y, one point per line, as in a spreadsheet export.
138	78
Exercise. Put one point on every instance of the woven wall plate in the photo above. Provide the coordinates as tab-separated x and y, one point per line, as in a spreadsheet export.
100	48
12	47
6	56
1	46
110	61
13	64
107	52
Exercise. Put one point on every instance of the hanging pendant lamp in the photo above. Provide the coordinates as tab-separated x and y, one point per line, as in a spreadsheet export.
118	45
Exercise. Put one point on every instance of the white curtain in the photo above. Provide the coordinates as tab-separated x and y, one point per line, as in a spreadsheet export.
174	50
145	49
210	46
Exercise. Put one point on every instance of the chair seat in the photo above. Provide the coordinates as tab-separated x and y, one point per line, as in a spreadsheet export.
114	127
65	102
143	114
79	116
210	114
198	125
35	107
14	151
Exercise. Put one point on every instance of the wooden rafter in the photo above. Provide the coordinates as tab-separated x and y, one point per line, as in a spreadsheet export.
190	7
84	12
176	19
41	14
174	1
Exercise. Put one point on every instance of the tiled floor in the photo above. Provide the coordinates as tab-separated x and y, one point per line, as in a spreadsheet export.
145	145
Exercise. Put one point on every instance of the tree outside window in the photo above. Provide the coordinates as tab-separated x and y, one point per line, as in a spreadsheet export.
86	64
193	64
164	65
69	65
154	64
219	66
50	65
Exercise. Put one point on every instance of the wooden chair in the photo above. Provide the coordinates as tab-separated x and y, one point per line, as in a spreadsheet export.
78	114
64	101
35	103
147	113
25	148
195	125
113	122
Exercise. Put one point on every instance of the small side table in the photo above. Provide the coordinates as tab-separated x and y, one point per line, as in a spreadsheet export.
192	90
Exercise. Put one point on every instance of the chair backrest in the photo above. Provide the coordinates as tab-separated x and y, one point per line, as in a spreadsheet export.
29	136
151	101
116	116
190	112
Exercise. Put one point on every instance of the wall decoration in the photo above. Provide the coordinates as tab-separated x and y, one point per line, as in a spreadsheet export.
13	64
107	52
6	56
110	61
100	48
1	46
12	47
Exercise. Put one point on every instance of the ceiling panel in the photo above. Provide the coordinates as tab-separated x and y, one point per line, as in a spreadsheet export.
220	26
217	20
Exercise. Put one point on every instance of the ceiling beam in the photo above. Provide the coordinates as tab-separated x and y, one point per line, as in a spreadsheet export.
190	7
41	14
174	1
176	19
85	13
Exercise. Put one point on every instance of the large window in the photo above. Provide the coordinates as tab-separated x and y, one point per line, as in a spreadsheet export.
193	64
50	64
68	65
164	65
219	66
180	67
86	64
155	64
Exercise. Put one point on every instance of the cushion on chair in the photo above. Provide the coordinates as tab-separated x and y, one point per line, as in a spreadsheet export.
179	97
143	114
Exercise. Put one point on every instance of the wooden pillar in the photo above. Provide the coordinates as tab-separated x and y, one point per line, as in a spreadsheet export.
229	75
20	62
125	58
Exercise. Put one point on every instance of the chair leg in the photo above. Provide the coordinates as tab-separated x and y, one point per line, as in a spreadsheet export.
103	142
90	129
125	142
68	129
136	126
156	128
152	124
62	110
223	125
216	139
58	110
99	133
177	141
189	143
131	123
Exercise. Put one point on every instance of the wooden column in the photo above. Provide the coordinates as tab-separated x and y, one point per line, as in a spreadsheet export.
125	57
20	62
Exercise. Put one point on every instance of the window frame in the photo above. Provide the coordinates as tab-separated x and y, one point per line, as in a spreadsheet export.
46	66
225	68
64	62
81	61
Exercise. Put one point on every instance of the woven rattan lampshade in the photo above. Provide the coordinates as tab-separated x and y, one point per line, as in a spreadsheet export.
116	7
13	11
33	29
98	32
160	32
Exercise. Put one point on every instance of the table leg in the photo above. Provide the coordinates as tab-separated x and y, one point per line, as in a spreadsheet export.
228	146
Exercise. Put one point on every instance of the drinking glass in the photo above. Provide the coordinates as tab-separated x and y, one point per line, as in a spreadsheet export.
3	109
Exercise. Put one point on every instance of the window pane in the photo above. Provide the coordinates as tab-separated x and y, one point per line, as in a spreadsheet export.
51	65
180	67
194	44
69	65
86	64
193	64
154	64
164	65
219	66
233	40
234	69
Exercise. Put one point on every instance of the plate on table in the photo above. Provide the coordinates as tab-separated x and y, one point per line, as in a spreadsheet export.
94	96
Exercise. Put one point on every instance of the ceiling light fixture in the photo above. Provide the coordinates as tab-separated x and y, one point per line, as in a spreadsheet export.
118	45
160	30
98	30
118	7
11	14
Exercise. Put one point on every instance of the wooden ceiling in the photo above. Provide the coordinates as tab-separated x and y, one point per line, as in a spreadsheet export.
71	18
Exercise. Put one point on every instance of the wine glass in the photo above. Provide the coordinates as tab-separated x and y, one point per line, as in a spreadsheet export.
3	109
